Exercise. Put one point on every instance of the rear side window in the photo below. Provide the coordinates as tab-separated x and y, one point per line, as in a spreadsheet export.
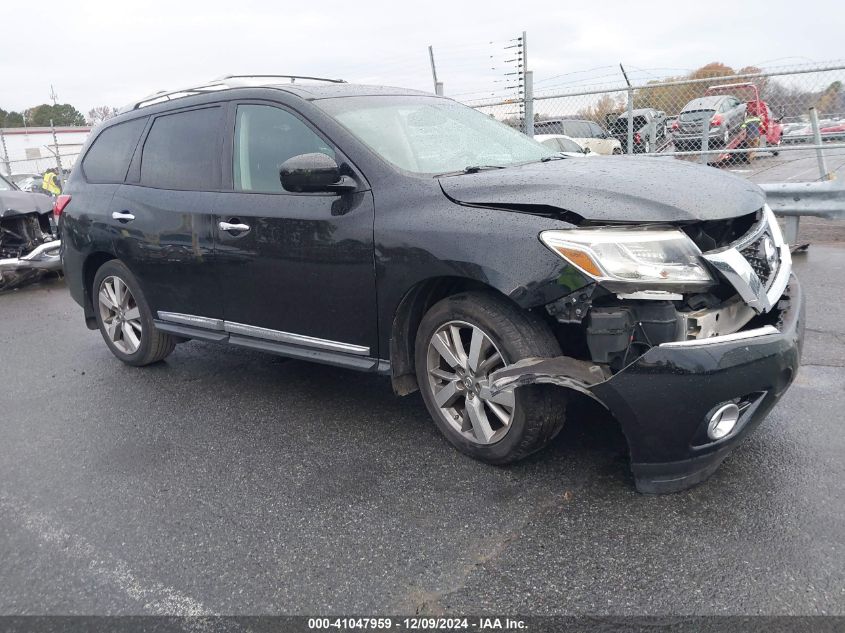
182	150
109	156
621	124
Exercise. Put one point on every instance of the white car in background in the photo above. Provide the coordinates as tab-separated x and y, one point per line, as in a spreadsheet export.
586	133
565	145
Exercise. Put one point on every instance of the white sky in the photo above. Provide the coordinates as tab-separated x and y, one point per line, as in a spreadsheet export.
98	52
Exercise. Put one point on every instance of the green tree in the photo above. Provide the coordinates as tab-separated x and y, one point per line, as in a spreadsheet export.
60	114
11	119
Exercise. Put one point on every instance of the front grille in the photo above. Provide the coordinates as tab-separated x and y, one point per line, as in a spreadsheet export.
763	257
712	234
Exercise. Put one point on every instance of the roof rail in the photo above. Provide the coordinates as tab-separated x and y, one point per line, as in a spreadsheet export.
223	83
292	78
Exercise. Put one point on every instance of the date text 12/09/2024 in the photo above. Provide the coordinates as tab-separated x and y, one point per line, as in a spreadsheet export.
418	624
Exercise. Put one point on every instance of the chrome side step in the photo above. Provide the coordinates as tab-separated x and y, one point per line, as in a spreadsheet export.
277	341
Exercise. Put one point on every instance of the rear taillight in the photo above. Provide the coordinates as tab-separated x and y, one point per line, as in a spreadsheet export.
637	138
716	120
61	203
675	125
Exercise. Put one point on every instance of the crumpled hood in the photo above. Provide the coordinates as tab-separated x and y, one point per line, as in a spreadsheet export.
610	189
21	203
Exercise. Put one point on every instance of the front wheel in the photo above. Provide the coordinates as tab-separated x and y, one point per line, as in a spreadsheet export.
124	317
461	341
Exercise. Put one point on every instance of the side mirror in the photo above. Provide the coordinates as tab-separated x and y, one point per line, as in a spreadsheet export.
313	173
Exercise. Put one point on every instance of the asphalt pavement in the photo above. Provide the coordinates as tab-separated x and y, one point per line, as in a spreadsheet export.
231	482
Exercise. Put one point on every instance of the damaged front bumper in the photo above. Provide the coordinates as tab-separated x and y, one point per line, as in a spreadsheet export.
664	399
43	257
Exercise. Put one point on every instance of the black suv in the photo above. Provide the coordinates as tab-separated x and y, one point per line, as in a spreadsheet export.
401	233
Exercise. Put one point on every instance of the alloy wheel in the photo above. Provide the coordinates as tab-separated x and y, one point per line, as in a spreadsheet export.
120	315
460	359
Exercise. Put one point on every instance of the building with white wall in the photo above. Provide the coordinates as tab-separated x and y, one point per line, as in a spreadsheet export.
33	149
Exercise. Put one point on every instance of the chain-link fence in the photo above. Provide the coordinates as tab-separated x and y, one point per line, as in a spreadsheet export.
27	154
772	125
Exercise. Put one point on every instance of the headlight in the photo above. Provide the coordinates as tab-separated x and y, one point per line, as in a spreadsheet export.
664	257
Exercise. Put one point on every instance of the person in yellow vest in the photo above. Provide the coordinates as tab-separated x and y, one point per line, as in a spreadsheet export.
751	125
51	183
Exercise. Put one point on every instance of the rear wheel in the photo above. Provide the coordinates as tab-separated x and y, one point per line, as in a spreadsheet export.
617	151
461	341
124	318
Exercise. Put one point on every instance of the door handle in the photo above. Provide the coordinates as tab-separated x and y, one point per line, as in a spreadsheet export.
122	216
227	226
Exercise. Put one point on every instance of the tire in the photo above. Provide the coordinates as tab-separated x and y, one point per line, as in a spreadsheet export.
536	412
647	147
126	323
617	151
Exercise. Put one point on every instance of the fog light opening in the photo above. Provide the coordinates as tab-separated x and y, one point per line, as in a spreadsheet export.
723	421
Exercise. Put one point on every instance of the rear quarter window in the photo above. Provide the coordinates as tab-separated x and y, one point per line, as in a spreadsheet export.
109	156
182	151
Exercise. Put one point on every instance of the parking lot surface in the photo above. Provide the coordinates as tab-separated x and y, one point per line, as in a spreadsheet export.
227	481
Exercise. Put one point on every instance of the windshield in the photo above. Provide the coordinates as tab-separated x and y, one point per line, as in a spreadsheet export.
5	185
696	115
428	135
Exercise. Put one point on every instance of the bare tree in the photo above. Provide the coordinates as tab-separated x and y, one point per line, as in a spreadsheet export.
100	114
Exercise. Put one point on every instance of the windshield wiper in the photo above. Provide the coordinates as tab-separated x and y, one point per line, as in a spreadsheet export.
472	169
546	159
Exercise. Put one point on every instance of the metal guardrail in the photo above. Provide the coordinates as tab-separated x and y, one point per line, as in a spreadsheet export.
792	200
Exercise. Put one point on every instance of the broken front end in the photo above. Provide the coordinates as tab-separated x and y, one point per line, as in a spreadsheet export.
687	335
29	246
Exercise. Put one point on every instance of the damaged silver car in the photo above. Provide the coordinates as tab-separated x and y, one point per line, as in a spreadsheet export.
29	243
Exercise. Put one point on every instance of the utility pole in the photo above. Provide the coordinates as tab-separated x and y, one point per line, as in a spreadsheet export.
630	111
438	85
53	95
5	154
58	157
528	86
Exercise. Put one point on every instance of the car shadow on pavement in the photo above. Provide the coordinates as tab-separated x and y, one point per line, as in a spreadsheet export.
287	396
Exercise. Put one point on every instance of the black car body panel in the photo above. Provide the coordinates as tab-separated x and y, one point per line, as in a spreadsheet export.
342	277
612	190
